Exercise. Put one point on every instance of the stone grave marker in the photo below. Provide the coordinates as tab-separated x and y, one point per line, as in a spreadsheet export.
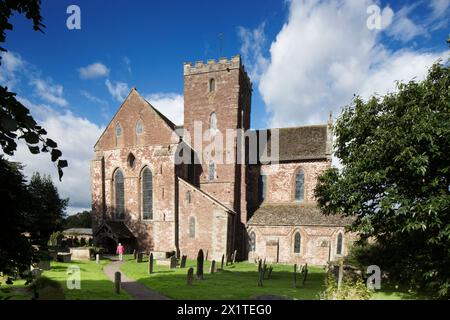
97	258
134	254
183	261
259	265
190	276
213	267
206	256
221	264
150	263
117	281
200	265
234	256
260	278
173	262
295	276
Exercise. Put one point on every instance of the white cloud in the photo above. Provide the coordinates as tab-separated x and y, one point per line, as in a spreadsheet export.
439	7
92	98
11	64
323	55
403	27
94	70
169	104
127	63
49	92
253	42
76	137
118	90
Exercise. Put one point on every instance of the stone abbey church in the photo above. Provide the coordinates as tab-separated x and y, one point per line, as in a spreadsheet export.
147	201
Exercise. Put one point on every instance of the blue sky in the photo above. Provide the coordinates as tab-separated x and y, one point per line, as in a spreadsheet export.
305	58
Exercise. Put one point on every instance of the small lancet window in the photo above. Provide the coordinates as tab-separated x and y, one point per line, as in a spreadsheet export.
118	130
212	85
297	242
131	160
139	127
339	244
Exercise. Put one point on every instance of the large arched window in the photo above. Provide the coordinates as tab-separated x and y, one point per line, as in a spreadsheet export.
252	241
299	185
339	244
191	227
119	195
297	242
212	85
147	194
211	171
139	127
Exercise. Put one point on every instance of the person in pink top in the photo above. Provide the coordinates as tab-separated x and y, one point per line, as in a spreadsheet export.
119	251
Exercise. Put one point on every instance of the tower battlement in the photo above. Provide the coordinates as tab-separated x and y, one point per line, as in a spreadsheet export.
212	65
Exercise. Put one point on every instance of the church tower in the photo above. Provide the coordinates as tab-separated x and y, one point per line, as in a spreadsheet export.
217	98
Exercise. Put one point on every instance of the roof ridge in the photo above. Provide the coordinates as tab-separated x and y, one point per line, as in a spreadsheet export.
207	195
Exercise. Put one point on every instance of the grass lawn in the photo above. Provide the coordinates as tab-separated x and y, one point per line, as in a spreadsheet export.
94	283
238	281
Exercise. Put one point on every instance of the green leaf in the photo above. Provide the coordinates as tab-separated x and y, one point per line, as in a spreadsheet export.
56	154
51	143
34	149
62	163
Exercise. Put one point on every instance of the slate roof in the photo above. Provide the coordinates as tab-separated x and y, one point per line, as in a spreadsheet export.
78	231
295	214
298	143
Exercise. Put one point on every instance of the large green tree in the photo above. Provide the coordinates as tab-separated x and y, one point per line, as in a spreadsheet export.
16	122
47	210
395	179
79	220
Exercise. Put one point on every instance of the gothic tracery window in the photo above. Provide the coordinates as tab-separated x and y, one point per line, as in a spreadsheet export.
147	194
119	195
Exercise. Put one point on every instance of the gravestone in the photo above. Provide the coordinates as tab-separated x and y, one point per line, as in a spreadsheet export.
305	275
206	256
173	262
117	280
150	263
134	254
231	259
295	276
213	267
260	278
221	264
139	257
259	266
190	276
200	265
183	261
234	256
341	275
97	258
270	272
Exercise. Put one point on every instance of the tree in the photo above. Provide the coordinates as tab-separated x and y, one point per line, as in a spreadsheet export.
395	179
47	210
16	252
16	122
79	220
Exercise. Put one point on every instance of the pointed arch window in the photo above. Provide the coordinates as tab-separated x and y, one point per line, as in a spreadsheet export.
192	227
119	195
213	123
339	244
297	242
299	186
188	196
131	160
212	85
147	194
139	127
118	130
252	241
211	171
262	187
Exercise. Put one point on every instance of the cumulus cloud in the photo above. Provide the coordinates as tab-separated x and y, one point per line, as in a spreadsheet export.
76	137
11	64
403	27
323	55
252	48
169	104
118	90
52	93
94	70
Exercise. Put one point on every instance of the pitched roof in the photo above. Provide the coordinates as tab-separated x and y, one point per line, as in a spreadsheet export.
78	231
295	214
207	196
118	228
298	143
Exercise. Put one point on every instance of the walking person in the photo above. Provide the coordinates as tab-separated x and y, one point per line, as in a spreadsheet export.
120	250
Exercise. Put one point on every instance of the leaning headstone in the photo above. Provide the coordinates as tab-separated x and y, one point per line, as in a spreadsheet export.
134	254
259	266
150	263
173	262
206	256
200	265
97	258
295	276
234	256
260	278
270	272
221	264
117	280
213	267
190	276
183	261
